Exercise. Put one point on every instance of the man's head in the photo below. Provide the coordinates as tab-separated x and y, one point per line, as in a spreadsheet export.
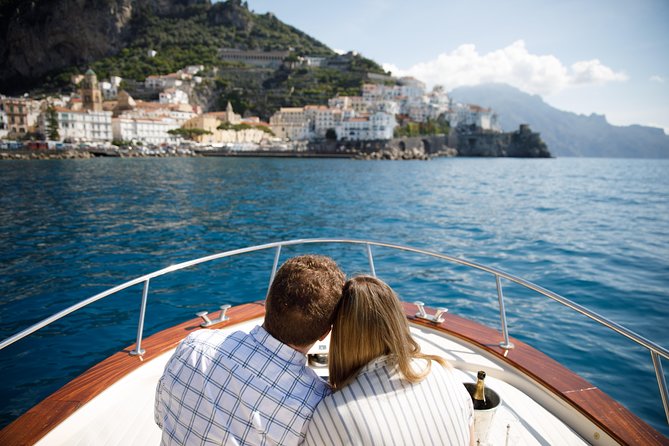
302	299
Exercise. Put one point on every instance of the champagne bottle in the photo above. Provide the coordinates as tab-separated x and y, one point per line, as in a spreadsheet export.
479	394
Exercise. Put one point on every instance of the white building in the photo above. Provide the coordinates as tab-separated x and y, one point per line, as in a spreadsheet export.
439	100
322	118
179	112
290	123
356	103
410	97
313	61
192	69
82	125
127	106
173	96
418	112
411	87
147	130
376	126
378	92
467	114
149	122
173	80
110	88
390	107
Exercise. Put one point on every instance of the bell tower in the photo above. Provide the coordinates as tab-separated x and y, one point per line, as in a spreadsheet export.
90	92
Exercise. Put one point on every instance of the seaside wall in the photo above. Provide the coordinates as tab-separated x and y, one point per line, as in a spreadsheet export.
430	145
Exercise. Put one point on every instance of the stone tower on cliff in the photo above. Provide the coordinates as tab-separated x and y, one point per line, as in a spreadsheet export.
91	94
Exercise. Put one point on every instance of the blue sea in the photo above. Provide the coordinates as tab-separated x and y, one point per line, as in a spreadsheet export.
593	230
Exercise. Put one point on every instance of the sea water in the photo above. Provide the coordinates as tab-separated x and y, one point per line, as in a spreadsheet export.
595	231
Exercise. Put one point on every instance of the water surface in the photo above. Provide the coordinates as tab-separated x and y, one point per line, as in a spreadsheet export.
593	230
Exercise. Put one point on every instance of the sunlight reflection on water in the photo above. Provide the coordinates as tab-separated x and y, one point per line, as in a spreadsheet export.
595	231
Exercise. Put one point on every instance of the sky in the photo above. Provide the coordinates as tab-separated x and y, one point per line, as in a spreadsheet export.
609	57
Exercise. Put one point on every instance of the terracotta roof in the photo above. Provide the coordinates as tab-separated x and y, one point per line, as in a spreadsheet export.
257	124
217	114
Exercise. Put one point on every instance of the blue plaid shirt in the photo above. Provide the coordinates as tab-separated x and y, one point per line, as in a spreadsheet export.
243	389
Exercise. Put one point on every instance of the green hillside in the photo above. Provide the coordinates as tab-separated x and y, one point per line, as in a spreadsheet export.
196	36
181	32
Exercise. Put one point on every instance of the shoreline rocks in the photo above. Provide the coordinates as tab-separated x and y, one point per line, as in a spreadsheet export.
25	155
44	155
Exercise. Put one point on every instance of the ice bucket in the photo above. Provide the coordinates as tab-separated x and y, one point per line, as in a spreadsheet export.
483	418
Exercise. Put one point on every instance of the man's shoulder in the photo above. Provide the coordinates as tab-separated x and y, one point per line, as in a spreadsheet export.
212	339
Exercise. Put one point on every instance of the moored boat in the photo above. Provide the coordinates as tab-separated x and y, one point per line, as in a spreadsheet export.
542	402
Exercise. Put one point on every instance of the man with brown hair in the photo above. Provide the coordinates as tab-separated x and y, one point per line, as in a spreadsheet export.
254	388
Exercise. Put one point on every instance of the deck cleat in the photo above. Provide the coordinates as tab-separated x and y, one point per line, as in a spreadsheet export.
222	317
436	318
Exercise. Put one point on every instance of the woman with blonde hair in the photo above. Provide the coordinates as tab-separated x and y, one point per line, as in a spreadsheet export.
386	390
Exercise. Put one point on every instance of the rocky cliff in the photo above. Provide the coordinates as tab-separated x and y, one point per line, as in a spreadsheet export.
39	37
523	143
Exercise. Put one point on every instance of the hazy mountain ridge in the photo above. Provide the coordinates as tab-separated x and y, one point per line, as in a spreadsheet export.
566	133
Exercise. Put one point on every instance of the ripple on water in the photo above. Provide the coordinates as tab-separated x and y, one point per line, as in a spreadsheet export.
595	231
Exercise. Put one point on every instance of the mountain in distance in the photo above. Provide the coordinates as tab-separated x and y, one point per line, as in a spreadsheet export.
566	133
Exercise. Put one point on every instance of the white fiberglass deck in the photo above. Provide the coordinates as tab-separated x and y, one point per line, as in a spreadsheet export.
123	413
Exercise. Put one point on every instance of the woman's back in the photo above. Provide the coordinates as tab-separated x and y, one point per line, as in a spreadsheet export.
380	407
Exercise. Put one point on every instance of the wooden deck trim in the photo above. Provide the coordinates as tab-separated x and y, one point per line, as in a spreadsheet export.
611	417
46	415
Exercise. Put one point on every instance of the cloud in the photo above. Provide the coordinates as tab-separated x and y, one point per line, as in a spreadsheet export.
658	79
514	65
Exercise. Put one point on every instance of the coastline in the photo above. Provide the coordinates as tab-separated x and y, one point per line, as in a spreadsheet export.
32	155
519	144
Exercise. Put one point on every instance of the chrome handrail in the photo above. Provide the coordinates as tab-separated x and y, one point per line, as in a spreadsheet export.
655	350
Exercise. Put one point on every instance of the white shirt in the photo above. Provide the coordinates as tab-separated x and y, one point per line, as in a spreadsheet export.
379	407
244	389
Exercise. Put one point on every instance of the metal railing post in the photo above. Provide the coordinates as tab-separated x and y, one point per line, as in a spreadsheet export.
661	383
657	352
370	257
138	351
277	254
506	344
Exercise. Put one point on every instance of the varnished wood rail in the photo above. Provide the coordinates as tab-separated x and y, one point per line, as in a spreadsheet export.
46	415
606	413
609	415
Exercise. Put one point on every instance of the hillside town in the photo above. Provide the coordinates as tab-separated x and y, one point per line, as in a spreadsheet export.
102	114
